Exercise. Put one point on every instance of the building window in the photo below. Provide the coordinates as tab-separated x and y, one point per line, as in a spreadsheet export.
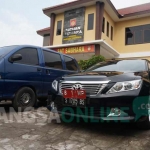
103	28
112	33
59	24
137	35
108	29
146	34
90	21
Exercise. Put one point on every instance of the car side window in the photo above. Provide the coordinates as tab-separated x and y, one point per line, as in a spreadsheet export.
70	64
29	56
52	60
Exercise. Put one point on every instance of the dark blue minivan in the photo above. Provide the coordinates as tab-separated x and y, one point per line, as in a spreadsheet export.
26	73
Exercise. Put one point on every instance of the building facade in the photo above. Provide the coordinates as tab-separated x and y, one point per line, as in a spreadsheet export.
84	28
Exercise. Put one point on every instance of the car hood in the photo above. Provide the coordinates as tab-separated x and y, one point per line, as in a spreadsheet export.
112	76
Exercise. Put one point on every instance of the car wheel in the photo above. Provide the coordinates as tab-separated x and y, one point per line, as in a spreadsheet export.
25	99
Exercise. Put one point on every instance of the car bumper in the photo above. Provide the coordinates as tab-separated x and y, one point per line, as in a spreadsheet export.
98	108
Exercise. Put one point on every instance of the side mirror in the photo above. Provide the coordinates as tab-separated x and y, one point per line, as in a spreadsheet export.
15	57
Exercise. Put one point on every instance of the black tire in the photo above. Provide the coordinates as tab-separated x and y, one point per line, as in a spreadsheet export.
144	123
25	99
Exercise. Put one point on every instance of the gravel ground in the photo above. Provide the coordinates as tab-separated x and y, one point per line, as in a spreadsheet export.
36	130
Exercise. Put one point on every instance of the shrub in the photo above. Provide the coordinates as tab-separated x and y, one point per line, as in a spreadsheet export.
85	64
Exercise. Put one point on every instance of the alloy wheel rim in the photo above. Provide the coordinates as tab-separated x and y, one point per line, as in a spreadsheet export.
25	98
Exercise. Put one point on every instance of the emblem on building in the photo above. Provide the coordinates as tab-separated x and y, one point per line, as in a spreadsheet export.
73	22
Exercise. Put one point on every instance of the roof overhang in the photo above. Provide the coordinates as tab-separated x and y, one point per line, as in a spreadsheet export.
106	50
135	15
109	7
44	31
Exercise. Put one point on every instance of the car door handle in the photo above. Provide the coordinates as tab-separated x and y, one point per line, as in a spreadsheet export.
39	69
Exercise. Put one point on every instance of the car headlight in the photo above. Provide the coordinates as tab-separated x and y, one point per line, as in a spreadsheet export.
125	86
55	85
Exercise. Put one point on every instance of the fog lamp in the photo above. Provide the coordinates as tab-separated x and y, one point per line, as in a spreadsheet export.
115	112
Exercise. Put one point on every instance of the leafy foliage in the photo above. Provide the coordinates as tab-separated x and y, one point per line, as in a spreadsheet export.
85	64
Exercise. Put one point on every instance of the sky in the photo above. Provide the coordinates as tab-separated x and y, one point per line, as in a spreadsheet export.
20	19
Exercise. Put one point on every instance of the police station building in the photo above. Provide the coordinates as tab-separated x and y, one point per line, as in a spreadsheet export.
84	28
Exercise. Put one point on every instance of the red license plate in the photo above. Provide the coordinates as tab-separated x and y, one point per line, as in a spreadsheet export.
76	94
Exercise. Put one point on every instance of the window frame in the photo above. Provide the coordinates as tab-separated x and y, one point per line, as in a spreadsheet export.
60	21
144	36
103	25
135	38
25	63
108	29
134	31
53	53
112	33
126	38
88	23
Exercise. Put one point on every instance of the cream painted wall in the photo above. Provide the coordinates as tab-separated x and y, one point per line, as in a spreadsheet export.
46	41
148	58
58	38
89	35
83	56
104	35
118	42
119	37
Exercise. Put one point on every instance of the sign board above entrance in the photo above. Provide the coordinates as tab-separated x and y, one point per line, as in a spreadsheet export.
76	49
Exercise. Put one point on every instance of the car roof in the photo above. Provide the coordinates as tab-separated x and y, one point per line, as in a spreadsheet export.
38	47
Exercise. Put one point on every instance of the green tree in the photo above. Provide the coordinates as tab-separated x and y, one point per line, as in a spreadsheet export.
85	64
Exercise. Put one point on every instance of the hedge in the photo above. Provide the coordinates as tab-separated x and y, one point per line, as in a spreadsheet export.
85	64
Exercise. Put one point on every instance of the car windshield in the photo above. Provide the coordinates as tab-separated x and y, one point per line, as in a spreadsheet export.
6	49
120	66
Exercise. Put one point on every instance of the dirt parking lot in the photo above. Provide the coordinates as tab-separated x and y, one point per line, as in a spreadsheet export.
34	130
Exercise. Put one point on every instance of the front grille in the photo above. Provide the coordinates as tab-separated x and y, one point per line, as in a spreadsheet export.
91	89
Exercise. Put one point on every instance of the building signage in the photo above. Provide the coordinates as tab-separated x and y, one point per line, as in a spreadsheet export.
73	26
76	49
